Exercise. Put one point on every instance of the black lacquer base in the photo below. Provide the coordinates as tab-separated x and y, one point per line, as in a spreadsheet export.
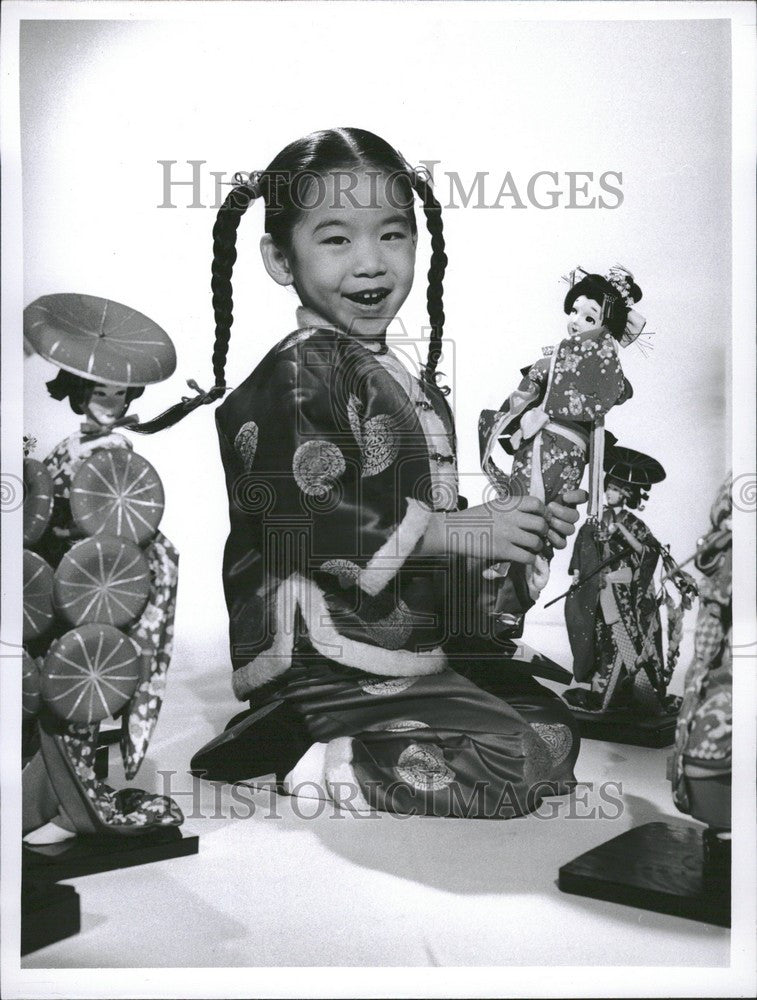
666	867
49	913
625	726
88	855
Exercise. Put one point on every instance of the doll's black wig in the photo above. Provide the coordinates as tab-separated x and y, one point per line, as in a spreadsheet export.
77	390
608	298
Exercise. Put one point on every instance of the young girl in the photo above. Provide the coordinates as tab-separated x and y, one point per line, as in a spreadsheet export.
345	527
547	422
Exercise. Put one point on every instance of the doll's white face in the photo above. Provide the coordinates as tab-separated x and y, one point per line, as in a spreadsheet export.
106	404
614	496
585	318
352	256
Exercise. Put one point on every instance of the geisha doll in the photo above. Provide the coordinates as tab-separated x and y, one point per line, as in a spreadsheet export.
612	611
106	503
553	422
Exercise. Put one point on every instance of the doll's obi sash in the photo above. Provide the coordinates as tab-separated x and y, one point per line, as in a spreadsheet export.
610	611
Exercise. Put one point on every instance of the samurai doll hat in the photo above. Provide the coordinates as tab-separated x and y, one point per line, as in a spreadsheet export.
629	467
99	339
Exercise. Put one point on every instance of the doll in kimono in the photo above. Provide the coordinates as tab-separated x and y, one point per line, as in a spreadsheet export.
552	424
612	611
701	767
106	354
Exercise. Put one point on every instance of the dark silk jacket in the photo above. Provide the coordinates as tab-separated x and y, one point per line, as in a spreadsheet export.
331	483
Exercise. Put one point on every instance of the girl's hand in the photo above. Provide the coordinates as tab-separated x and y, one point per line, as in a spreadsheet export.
489	533
562	516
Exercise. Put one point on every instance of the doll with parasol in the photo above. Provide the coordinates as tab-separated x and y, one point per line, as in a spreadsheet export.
553	423
612	610
100	579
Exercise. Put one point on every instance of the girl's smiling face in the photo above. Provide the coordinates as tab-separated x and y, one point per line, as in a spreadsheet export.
351	257
585	318
106	404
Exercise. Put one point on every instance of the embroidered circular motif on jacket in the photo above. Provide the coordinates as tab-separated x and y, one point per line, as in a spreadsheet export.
557	737
380	446
392	631
316	464
393	686
246	443
398	726
347	571
424	768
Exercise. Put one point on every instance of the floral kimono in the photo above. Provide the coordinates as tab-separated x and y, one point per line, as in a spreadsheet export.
704	731
613	618
62	772
546	424
340	628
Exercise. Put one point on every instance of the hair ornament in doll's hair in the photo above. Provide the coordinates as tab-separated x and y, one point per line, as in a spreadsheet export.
617	292
622	279
574	276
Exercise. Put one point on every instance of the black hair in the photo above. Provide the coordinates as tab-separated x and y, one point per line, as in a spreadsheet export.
283	186
78	389
635	494
608	298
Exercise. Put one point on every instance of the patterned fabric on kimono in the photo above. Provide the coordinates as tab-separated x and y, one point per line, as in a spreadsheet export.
335	458
613	618
67	764
153	631
552	411
59	784
545	424
704	728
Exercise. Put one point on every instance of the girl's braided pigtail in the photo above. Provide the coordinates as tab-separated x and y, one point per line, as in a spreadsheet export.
224	256
435	293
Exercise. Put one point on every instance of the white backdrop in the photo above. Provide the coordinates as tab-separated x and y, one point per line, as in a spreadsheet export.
102	102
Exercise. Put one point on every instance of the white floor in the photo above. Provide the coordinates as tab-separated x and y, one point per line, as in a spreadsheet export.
277	886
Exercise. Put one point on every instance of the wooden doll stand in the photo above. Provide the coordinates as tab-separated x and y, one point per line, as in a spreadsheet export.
670	868
622	725
49	913
89	854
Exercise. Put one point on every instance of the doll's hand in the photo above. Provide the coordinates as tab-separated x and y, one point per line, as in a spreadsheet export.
562	516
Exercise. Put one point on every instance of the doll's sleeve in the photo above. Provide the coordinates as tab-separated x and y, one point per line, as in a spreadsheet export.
646	560
529	394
